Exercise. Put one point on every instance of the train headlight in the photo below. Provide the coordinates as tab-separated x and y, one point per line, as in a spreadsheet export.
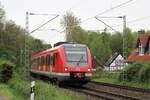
65	69
89	69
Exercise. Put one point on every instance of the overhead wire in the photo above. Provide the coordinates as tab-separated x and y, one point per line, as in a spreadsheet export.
135	20
107	10
106	24
44	24
132	21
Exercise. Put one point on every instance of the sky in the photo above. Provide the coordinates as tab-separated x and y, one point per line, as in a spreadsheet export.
136	12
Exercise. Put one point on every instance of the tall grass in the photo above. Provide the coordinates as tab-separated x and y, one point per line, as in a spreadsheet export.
10	94
43	91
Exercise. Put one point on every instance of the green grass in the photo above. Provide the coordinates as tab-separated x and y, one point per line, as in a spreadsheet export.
113	79
43	91
105	80
10	94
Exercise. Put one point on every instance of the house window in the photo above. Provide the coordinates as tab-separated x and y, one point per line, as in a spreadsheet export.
141	50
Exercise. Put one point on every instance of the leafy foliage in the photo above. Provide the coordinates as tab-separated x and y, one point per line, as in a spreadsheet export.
99	46
99	69
6	70
12	43
138	71
79	32
144	73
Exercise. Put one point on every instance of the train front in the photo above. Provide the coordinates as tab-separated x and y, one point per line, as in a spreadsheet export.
78	62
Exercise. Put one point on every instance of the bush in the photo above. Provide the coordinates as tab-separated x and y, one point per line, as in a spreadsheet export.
21	73
131	71
144	73
6	70
99	69
20	86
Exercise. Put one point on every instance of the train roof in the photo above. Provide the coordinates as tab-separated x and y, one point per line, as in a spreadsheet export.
57	47
69	44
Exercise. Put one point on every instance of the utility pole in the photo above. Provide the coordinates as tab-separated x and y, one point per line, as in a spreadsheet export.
26	41
27	48
124	48
124	52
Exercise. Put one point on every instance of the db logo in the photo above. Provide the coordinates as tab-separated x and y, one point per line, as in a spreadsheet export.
77	69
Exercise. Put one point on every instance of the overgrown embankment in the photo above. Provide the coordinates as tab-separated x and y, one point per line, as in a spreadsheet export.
15	85
136	75
43	91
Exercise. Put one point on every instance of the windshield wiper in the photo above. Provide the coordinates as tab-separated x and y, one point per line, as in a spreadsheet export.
80	60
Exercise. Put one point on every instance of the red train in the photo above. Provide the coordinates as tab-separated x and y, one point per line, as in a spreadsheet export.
65	62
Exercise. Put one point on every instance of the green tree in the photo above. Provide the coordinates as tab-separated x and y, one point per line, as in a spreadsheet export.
130	39
116	42
79	35
69	22
99	46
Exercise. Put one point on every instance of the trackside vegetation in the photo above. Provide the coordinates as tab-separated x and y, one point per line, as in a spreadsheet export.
17	87
43	91
6	70
9	94
138	75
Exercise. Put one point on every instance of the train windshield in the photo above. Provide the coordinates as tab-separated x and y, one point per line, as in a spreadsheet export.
76	56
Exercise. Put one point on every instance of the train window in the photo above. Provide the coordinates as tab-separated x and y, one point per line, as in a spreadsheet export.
42	61
48	60
35	62
45	60
51	60
56	55
54	60
39	61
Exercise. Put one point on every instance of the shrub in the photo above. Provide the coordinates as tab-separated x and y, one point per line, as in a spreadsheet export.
144	73
20	86
21	73
6	70
99	69
131	71
94	76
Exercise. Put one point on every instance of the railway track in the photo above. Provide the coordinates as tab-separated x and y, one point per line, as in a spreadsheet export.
104	91
120	86
117	92
96	94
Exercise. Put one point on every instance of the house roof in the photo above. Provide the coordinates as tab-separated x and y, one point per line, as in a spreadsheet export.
134	57
95	63
143	39
111	59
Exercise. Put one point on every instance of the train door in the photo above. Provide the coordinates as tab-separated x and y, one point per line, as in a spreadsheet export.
39	68
37	64
51	63
42	63
54	62
48	63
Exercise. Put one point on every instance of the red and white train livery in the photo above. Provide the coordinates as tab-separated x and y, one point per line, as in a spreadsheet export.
65	62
